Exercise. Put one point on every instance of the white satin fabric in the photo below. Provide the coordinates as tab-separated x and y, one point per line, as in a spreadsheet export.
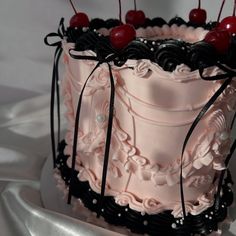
24	146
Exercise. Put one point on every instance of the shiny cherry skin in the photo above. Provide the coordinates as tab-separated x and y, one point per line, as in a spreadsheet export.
229	24
121	36
219	39
198	16
79	20
135	18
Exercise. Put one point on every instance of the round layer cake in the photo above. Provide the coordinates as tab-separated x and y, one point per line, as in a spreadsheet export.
159	92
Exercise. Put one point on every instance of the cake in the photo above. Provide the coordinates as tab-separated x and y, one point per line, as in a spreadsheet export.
149	126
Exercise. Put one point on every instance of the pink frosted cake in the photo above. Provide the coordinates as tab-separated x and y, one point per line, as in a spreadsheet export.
149	127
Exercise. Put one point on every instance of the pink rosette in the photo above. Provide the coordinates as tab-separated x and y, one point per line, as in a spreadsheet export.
123	199
141	69
151	206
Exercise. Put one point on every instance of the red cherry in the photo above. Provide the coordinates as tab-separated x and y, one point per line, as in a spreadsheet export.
198	16
141	17
229	24
135	18
130	17
220	39
79	20
121	36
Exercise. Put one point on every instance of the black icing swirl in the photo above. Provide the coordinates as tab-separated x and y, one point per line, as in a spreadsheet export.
177	21
167	53
201	55
154	225
170	54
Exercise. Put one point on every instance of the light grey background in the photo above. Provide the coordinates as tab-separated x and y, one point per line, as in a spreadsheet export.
26	63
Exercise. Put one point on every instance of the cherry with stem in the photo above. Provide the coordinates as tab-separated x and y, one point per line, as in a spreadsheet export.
120	36
135	17
198	15
79	19
229	23
220	37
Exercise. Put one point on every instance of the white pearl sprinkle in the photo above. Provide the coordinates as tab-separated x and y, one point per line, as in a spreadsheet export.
95	201
177	221
224	136
102	210
145	41
100	118
145	223
223	206
210	217
89	190
153	43
152	49
94	30
126	209
211	212
206	216
141	40
233	34
119	215
174	226
143	213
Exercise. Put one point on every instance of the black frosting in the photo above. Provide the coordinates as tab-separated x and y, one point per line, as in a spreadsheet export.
160	224
167	53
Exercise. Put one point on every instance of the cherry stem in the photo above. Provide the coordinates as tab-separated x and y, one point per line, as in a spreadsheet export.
234	8
73	6
221	9
120	10
135	5
199	4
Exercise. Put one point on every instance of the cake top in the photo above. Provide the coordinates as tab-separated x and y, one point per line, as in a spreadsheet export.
195	43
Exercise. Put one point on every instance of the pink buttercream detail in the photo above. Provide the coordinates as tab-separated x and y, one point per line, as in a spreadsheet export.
152	116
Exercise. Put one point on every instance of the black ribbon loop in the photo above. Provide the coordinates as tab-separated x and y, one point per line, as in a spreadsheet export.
109	126
228	76
60	34
55	91
229	73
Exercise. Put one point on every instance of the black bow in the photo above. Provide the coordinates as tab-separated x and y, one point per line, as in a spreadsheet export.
109	127
227	76
55	85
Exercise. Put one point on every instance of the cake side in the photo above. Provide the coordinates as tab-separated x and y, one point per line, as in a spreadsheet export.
148	132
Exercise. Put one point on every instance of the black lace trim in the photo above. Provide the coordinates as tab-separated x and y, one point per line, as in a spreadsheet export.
160	224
